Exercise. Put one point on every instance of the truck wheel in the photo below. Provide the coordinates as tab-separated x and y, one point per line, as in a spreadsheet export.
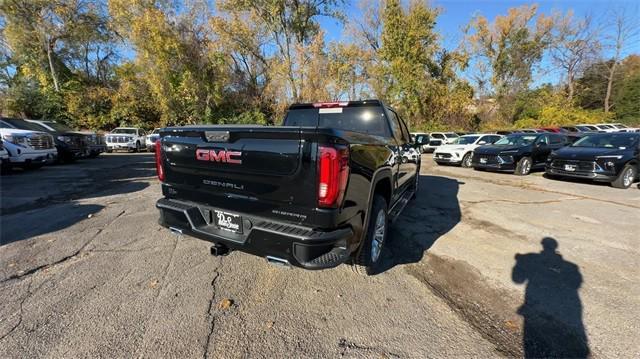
137	149
626	177
368	257
524	166
466	160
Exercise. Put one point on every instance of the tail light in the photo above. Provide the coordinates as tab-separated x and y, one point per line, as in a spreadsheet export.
333	172
159	167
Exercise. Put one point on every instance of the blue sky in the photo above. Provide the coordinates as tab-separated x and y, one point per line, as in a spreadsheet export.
457	13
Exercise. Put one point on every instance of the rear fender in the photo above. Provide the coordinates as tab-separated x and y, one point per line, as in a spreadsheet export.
379	175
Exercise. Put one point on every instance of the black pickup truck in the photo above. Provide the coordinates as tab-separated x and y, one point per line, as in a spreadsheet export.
316	192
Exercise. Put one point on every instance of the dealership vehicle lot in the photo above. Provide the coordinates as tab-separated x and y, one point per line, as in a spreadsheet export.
85	270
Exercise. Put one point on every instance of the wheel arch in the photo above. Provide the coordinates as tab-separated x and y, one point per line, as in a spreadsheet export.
381	183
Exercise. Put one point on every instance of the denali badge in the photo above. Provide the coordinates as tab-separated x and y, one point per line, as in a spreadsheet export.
221	156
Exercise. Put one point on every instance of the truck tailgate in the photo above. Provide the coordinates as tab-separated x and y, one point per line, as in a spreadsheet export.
256	169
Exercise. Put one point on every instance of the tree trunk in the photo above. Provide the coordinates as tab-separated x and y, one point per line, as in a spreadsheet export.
54	76
571	86
607	97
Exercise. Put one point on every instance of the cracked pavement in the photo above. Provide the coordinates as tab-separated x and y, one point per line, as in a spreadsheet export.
85	271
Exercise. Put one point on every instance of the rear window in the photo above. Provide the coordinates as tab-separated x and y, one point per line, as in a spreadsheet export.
363	119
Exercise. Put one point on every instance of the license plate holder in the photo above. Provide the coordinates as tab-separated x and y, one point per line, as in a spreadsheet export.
483	160
227	221
570	168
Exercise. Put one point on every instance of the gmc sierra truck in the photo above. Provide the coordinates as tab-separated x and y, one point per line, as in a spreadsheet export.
319	191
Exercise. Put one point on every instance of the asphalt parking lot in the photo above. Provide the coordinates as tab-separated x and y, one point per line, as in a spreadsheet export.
481	264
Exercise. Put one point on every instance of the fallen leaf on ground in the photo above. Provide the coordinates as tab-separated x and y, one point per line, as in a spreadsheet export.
511	325
225	303
153	283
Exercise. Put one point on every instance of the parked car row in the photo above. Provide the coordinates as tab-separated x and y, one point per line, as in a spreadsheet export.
584	128
26	144
612	157
32	143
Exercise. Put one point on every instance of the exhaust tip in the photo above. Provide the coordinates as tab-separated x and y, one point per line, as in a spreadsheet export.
279	262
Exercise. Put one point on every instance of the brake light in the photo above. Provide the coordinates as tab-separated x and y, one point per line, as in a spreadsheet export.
330	104
159	167
333	172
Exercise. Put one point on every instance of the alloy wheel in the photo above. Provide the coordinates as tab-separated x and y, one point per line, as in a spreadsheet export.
628	177
378	236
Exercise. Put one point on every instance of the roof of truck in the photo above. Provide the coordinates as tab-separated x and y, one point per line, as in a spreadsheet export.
336	104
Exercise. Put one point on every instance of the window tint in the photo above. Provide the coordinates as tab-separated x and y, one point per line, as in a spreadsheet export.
420	138
437	135
557	140
24	125
304	117
542	139
364	119
619	140
395	124
405	132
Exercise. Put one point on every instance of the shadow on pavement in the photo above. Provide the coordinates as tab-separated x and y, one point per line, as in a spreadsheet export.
434	212
29	225
44	201
552	310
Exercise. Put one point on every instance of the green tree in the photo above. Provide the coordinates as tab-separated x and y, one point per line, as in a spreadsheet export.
509	49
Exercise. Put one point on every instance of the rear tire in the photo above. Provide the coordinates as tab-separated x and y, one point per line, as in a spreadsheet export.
33	166
368	257
626	177
524	166
466	160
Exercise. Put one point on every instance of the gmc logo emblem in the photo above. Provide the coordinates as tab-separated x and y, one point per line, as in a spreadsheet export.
220	156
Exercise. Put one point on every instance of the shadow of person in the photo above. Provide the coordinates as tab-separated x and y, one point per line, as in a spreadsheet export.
552	310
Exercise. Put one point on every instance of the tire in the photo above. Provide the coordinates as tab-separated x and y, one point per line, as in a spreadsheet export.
109	151
626	177
5	167
466	160
524	166
137	149
367	259
33	166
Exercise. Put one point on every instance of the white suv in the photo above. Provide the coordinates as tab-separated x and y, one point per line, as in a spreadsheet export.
28	148
603	127
446	137
126	138
4	156
461	151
